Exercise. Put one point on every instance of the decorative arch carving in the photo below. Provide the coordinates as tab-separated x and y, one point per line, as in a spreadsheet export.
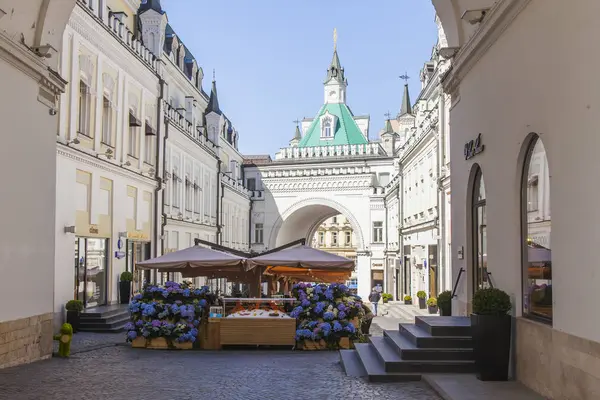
337	208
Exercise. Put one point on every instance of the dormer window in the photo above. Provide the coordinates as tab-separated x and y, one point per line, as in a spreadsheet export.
327	127
328	122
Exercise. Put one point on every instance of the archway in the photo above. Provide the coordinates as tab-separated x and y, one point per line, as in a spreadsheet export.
302	219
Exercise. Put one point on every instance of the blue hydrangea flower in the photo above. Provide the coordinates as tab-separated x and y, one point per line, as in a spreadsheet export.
329	294
131	335
341	315
305	303
328	316
202	303
129	326
337	326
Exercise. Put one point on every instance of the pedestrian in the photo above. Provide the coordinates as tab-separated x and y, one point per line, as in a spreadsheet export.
374	299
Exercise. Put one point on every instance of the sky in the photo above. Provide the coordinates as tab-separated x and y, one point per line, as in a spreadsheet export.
271	58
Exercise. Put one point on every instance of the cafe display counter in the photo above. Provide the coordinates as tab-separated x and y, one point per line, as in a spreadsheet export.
252	322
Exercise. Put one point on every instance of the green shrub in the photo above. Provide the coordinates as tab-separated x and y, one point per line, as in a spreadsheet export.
491	302
126	276
444	299
74	305
432	302
421	294
407	298
387	296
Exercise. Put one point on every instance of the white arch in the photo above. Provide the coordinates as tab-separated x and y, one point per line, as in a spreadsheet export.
321	202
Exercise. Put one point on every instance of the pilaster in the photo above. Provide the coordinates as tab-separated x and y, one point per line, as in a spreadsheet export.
124	122
141	133
119	109
99	105
363	272
74	86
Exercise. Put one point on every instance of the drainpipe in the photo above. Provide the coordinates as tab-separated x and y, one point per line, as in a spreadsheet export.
157	175
250	224
400	233
399	292
218	216
441	204
385	277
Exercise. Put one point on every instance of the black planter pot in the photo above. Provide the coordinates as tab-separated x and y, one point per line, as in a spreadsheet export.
432	309
366	326
445	311
422	304
124	291
491	346
73	318
408	302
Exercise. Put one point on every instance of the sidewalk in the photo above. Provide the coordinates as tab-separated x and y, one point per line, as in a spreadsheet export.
87	341
468	387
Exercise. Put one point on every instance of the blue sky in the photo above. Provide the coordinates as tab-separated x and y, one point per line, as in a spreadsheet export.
271	57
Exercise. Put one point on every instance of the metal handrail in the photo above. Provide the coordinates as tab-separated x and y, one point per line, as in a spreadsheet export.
489	274
456	283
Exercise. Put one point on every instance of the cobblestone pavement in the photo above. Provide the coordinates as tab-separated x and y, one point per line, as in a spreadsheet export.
86	341
120	372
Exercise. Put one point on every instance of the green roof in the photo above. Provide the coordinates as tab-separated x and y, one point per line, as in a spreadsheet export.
346	131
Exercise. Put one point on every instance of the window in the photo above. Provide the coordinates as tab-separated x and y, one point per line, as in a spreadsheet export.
197	198
149	149
107	122
378	232
133	142
327	127
348	238
334	238
176	194
84	109
479	219
536	230
321	238
251	183
188	195
258	233
334	220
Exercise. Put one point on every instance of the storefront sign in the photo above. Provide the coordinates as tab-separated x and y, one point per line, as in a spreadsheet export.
94	229
473	148
119	254
137	235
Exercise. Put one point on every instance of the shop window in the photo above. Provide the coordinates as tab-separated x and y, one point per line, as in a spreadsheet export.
536	226
479	219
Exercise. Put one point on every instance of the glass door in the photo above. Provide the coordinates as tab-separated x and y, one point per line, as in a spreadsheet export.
480	276
91	271
137	252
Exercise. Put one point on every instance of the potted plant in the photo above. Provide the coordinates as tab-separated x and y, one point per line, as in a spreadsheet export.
491	330
407	299
386	297
125	287
422	296
432	305
365	325
74	309
444	302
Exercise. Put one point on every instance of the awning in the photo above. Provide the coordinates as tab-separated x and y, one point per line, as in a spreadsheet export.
150	131
133	120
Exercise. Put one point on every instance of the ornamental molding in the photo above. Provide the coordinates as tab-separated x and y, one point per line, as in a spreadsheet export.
497	20
83	158
117	55
321	184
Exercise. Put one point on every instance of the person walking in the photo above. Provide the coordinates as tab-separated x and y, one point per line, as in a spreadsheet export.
374	298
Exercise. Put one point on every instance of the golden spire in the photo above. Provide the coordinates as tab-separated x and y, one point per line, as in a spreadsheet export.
334	39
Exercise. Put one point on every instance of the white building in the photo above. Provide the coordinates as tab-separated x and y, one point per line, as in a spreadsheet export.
330	168
29	100
106	155
524	211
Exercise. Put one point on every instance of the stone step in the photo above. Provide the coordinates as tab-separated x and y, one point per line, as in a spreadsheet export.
393	362
409	351
375	368
92	313
445	326
423	339
103	329
104	325
351	363
105	319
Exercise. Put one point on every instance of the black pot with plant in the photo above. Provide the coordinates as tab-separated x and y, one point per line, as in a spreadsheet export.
432	305
386	297
125	287
422	296
491	329
365	325
444	302
74	309
407	300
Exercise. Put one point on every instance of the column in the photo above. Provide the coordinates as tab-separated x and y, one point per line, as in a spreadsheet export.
99	105
142	131
119	109
363	272
74	86
124	143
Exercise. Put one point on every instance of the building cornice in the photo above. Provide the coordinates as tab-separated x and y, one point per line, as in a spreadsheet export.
352	183
84	158
497	20
23	59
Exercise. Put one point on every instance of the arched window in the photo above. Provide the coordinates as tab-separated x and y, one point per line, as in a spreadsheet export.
536	225
327	127
479	218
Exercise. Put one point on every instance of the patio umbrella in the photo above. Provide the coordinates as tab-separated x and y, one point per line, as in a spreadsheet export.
303	257
196	261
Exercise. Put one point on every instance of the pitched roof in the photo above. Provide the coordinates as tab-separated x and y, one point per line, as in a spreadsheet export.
213	102
346	130
335	70
406	107
150	5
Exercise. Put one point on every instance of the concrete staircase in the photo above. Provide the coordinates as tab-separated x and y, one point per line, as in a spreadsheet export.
105	319
431	345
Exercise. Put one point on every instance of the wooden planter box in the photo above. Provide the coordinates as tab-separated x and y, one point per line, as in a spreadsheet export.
159	344
258	331
210	334
355	322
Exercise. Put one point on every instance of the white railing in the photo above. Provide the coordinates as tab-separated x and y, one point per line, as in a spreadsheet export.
335	151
